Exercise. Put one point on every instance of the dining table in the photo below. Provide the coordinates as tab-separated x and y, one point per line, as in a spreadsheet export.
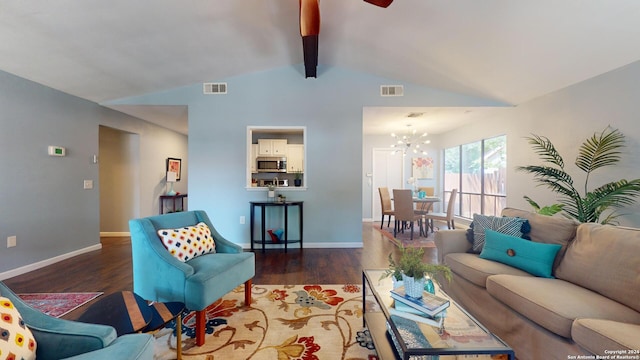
425	204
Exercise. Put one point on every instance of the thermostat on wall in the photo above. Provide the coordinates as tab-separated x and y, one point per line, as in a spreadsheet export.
57	151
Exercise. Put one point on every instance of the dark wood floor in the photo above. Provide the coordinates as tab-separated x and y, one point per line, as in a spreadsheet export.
109	269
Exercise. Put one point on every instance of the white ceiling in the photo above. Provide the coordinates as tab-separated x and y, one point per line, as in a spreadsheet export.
505	50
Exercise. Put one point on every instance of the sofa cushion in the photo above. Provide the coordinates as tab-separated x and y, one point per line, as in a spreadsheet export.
506	225
554	304
605	259
547	229
188	242
16	340
601	337
532	257
476	270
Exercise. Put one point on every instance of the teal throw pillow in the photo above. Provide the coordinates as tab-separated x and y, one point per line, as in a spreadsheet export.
532	257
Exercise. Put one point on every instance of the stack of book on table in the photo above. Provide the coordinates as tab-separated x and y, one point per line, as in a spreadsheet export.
430	309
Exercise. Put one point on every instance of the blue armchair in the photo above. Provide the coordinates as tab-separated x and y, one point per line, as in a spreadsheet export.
197	283
63	339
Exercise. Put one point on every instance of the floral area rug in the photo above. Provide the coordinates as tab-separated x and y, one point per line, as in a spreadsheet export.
58	304
284	322
405	238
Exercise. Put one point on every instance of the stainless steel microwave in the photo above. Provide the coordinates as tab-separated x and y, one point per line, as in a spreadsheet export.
272	164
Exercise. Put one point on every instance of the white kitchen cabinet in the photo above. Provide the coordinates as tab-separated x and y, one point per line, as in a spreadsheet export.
252	160
295	158
272	147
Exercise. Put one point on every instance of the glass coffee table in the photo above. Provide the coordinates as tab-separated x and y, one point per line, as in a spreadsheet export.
398	337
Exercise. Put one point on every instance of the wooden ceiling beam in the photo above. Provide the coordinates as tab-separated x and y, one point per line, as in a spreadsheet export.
310	31
381	3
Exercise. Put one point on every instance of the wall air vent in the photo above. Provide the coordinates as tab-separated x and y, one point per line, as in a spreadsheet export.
214	88
391	90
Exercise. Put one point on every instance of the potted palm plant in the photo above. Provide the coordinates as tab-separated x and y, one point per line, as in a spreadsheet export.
592	204
416	274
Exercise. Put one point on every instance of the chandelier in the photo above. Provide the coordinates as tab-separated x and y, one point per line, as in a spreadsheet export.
409	142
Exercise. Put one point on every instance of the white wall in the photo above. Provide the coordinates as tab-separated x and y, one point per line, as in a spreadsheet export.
156	144
370	195
567	117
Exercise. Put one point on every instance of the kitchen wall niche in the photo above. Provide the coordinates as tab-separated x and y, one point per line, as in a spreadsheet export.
278	142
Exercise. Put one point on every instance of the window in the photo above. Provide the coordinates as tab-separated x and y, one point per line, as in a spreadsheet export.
478	171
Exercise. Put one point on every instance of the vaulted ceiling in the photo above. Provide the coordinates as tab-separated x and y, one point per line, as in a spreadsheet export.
506	50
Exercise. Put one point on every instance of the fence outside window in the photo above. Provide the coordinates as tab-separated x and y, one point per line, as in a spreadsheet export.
478	171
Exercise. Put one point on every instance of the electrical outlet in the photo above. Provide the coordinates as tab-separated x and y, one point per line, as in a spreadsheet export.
11	241
242	220
88	184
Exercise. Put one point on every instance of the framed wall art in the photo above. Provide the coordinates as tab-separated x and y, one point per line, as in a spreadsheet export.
422	167
175	165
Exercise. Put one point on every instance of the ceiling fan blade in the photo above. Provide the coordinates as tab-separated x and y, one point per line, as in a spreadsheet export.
309	17
310	30
381	3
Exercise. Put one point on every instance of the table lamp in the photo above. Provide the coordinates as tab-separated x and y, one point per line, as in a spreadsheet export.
171	178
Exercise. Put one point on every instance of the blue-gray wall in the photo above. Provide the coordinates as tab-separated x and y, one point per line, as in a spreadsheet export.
42	200
331	109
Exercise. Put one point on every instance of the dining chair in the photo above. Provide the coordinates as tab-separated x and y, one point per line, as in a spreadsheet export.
448	216
424	207
385	205
404	211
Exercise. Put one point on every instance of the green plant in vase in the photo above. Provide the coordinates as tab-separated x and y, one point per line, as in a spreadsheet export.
410	268
297	179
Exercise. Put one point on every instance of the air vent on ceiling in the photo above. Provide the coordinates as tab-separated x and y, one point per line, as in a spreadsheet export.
215	88
391	90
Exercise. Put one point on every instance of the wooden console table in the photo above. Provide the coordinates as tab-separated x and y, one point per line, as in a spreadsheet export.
175	198
269	204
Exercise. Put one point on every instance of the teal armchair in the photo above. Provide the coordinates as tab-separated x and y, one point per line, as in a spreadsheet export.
197	283
64	339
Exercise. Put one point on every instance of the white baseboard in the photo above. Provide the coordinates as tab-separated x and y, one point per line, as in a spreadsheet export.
114	234
40	264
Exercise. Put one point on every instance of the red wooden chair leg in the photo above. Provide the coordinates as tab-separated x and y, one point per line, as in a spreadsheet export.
200	320
247	292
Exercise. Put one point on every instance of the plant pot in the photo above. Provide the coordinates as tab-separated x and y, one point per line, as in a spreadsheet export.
396	283
297	182
413	287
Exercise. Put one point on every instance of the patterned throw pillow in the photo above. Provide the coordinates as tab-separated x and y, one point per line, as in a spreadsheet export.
188	242
507	225
16	340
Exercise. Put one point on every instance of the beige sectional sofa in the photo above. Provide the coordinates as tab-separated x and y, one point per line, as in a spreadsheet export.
592	306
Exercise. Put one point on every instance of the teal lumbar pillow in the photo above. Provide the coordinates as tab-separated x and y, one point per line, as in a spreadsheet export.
532	257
